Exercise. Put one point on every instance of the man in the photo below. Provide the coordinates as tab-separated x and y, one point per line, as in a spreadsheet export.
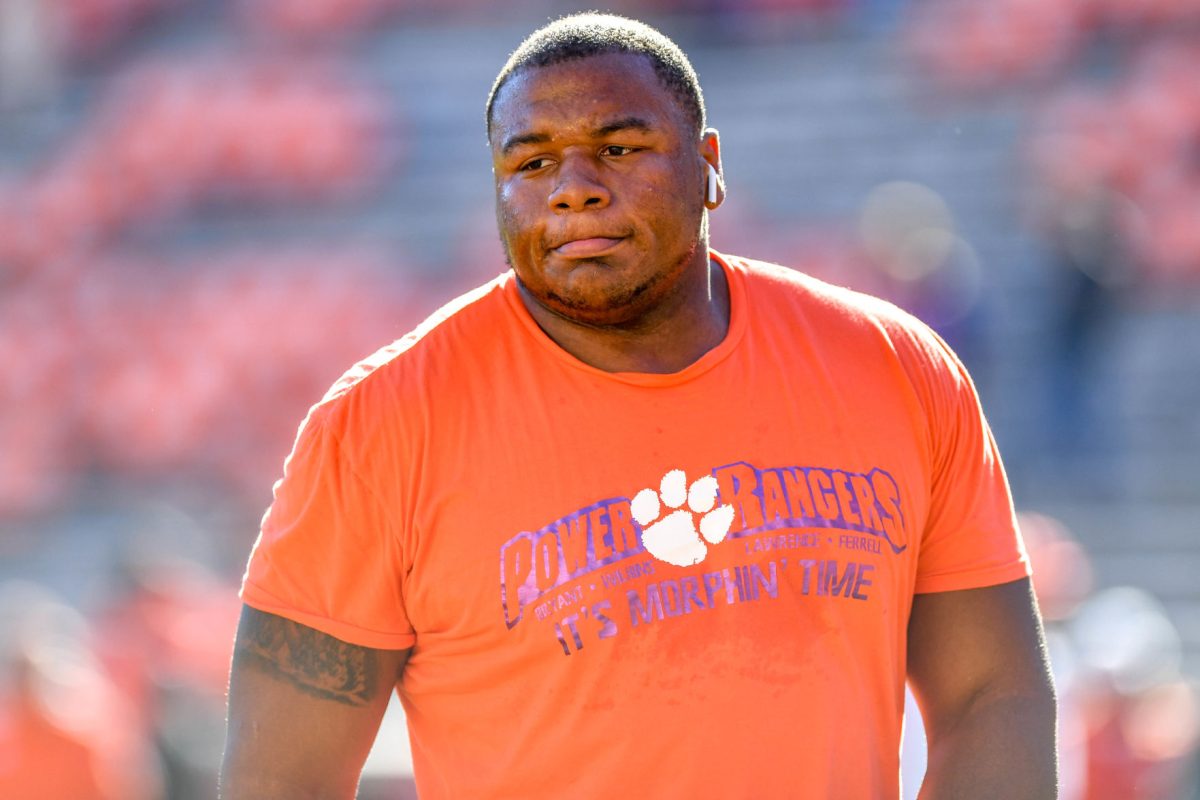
638	519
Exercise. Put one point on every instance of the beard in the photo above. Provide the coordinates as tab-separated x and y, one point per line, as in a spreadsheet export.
625	305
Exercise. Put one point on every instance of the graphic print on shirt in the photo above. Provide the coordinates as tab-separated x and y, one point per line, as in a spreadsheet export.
675	538
604	569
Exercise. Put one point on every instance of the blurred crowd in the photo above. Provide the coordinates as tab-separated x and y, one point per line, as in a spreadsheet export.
293	129
125	705
135	355
1129	719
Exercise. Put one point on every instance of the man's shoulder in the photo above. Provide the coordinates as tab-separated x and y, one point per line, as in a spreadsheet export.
845	324
477	319
769	284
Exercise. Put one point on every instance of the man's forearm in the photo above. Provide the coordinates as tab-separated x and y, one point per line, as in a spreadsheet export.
1001	747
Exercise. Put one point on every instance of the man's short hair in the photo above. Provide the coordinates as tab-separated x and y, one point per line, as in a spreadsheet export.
590	34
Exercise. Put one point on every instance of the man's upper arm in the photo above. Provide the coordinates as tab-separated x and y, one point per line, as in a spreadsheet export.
304	708
978	668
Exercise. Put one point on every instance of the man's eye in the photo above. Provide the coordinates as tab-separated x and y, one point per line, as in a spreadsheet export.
617	150
534	164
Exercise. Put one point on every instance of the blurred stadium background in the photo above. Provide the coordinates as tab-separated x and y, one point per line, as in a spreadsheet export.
209	208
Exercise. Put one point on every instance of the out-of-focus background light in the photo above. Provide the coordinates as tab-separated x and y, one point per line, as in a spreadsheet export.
210	208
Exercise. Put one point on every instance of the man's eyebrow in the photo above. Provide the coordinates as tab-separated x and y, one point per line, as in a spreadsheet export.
622	124
513	142
607	129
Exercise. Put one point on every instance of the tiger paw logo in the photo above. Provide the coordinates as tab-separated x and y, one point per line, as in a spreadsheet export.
673	535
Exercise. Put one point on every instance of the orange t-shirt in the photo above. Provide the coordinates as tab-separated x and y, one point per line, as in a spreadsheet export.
619	584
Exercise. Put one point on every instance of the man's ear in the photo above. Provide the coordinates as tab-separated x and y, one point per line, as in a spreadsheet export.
714	178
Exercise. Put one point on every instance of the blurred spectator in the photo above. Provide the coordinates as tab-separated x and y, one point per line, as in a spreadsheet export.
1116	206
1128	722
1142	717
1081	219
65	734
1120	200
165	636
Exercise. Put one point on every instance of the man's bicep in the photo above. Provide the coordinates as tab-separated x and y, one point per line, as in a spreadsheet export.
304	708
966	645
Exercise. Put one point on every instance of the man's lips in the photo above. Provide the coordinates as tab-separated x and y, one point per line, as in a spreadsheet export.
584	248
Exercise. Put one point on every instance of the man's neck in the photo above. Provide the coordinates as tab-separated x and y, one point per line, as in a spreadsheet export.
668	340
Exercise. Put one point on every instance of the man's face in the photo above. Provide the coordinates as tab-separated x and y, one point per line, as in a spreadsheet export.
599	187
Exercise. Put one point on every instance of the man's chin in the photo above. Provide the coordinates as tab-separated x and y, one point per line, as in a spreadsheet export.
601	307
595	315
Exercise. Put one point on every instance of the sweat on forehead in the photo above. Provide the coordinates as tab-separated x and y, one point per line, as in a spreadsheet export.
585	35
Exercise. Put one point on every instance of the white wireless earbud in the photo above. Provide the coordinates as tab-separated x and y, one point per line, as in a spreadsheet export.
711	195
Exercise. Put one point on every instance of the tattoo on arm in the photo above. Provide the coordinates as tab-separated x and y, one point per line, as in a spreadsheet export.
313	662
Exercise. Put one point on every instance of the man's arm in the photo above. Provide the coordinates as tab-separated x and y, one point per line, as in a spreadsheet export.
977	665
304	708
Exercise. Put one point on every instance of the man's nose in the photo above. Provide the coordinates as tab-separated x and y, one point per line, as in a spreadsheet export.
579	186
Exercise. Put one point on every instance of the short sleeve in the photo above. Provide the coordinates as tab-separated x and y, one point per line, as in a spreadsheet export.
327	554
971	538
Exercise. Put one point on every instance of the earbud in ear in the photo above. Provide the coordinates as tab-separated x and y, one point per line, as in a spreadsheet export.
710	195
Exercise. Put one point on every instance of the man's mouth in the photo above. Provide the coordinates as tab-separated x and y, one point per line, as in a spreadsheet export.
587	248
